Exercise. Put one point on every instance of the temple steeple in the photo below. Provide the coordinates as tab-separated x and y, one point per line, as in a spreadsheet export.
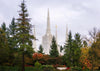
47	38
34	41
48	30
56	33
67	32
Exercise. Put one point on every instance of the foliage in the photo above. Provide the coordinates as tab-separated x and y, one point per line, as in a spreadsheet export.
37	56
85	44
9	68
12	27
47	68
84	58
72	50
4	50
37	64
94	54
24	38
3	27
76	68
76	50
40	49
68	49
12	41
61	48
54	50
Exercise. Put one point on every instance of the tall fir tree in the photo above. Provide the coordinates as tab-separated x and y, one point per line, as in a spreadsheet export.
40	49
12	28
12	41
77	45
3	27
54	50
24	38
4	50
12	34
68	50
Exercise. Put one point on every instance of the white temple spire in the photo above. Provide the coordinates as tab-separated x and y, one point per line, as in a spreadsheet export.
66	32
34	41
48	30
56	34
47	38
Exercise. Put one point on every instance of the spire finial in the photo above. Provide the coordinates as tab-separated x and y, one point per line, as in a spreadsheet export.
23	1
66	32
48	12
48	31
56	32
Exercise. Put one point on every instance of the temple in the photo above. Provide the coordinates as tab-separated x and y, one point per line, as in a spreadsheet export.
47	38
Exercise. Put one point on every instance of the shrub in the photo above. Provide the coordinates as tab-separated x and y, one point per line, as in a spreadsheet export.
37	64
47	68
77	69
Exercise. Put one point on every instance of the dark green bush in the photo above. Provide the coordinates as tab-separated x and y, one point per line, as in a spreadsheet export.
9	68
47	68
37	64
76	68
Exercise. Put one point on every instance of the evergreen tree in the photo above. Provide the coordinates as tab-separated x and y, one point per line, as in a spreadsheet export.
54	50
85	43
77	44
3	27
72	50
61	48
68	50
24	38
4	50
12	28
40	49
12	33
12	41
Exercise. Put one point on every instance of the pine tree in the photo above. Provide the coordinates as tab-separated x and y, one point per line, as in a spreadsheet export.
12	28
68	50
12	33
12	41
54	50
3	27
40	49
24	38
85	43
61	48
77	44
4	50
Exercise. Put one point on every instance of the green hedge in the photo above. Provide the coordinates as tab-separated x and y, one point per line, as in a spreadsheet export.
41	68
9	68
47	68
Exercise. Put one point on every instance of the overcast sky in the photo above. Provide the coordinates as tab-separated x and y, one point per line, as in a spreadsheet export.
80	15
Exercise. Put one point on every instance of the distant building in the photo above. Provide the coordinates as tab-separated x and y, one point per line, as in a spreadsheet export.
47	38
